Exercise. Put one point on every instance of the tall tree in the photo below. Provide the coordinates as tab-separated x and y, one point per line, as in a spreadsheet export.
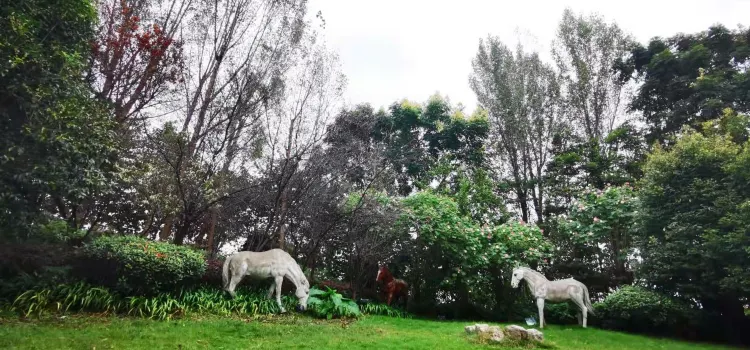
689	78
419	138
136	57
237	55
586	50
57	145
695	220
521	96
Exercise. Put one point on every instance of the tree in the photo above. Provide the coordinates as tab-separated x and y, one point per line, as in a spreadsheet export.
294	130
135	61
238	55
576	165
694	212
521	96
420	138
586	51
601	145
688	79
56	144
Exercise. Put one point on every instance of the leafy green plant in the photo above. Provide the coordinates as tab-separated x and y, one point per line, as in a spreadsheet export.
82	297
330	304
58	231
136	266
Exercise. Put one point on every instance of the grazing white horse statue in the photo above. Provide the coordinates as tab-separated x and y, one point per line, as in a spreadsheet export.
274	263
555	291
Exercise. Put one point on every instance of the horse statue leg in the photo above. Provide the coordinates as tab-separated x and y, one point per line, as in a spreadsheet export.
270	290
235	279
540	306
583	315
278	282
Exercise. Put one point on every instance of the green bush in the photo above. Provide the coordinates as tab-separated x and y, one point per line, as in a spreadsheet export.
635	309
562	313
330	304
136	266
58	231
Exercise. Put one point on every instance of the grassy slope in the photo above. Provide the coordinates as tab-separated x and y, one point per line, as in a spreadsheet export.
289	332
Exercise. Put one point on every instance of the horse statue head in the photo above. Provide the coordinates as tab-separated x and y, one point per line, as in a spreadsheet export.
302	293
516	277
383	275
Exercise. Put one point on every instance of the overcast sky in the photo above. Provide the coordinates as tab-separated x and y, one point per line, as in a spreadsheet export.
411	49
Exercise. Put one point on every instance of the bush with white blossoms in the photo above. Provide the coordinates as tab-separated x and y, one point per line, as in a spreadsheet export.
601	226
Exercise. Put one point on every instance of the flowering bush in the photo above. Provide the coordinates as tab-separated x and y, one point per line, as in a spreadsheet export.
596	237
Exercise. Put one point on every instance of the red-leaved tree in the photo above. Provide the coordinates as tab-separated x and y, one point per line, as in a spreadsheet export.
135	60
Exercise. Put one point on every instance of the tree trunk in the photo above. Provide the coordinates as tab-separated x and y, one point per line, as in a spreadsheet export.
211	229
166	230
282	219
523	202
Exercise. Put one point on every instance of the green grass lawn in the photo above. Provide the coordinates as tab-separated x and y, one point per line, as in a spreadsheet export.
289	332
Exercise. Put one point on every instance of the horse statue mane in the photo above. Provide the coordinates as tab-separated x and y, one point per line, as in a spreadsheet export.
565	290
274	263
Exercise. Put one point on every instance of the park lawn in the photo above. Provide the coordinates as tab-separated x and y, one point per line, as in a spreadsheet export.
290	332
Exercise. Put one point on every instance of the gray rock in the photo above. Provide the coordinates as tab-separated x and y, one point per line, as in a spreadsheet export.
516	332
497	335
470	329
481	328
535	334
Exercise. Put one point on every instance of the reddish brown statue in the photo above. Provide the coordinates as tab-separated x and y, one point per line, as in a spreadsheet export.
393	287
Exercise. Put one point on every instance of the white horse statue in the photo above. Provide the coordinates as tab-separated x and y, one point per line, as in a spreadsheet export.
554	291
274	263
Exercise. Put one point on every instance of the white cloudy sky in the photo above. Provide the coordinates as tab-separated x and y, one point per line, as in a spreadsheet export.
393	49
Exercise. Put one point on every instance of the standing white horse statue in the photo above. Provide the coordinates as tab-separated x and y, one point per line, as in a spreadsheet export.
274	263
554	291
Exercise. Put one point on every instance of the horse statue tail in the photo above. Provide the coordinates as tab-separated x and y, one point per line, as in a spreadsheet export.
225	273
586	299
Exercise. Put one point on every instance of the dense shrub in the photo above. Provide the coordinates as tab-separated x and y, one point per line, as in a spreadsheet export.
81	296
331	304
635	309
19	259
12	287
136	266
562	313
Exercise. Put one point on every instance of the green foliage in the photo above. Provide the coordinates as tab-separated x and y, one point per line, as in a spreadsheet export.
59	231
689	78
56	142
82	297
596	238
454	257
330	304
695	219
562	313
136	266
635	309
417	138
383	310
